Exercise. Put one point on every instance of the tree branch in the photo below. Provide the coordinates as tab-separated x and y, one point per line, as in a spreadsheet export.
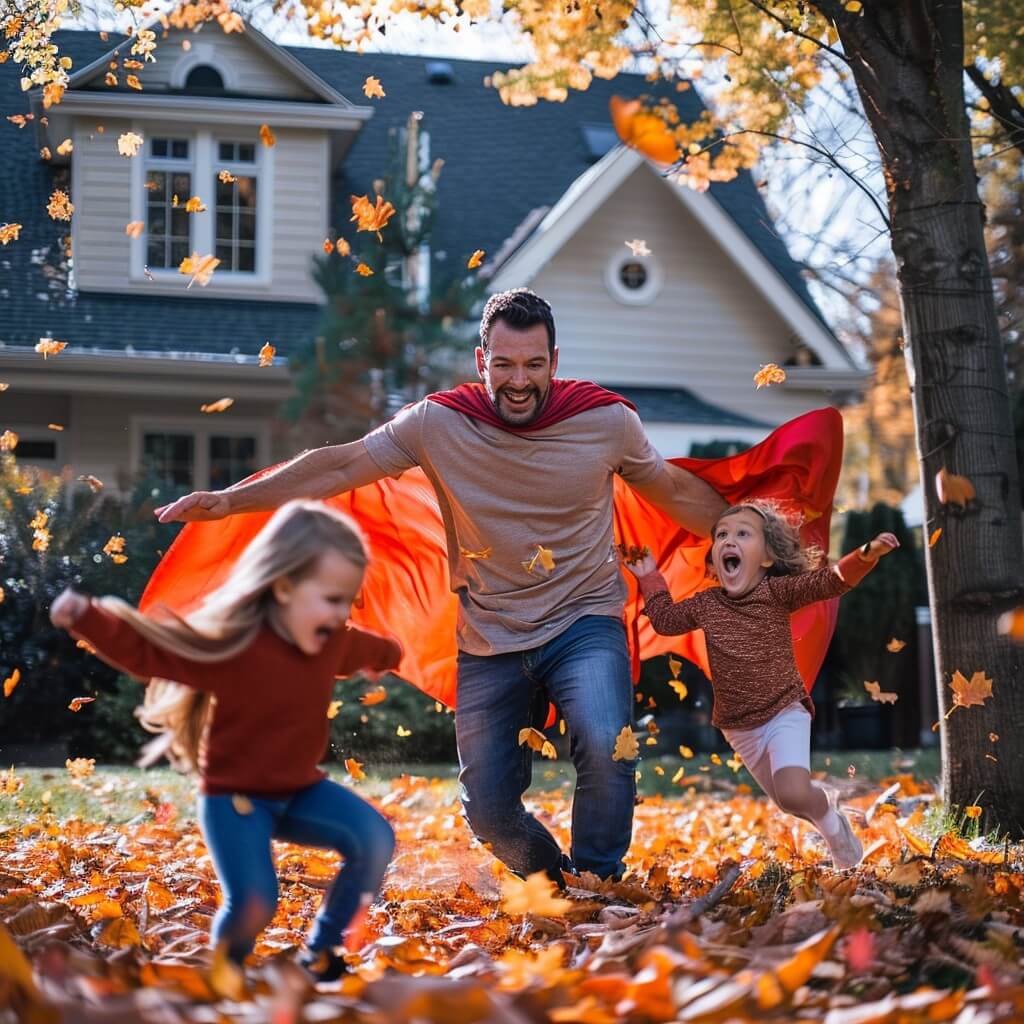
1002	103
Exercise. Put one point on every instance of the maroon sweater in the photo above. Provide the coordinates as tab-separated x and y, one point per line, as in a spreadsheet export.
749	640
269	727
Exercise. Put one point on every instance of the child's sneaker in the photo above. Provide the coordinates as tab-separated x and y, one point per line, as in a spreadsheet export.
845	847
324	965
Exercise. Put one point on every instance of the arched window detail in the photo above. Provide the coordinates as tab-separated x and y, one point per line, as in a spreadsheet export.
204	78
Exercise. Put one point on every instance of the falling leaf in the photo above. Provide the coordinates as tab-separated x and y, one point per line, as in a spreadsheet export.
226	178
675	666
267	136
638	247
402	732
970	692
363	270
134	229
679	687
328	246
80	767
952	489
894	646
993	737
242	804
875	689
54	426
45	154
372	89
60	206
543	557
195	205
627	746
376	695
354	769
853	6
536	740
129	143
133	82
165	814
66	147
85	646
685	752
475	260
1011	624
221	405
534	895
78	703
371	216
95	484
266	354
475	555
934	538
151	186
11	682
333	708
199	268
342	248
770	373
9	233
48	347
8	441
972	811
715	759
643	130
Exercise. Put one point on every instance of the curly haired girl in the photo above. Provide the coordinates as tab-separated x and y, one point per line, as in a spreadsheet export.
761	705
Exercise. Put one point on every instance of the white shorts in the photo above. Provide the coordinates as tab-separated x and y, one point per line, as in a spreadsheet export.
786	739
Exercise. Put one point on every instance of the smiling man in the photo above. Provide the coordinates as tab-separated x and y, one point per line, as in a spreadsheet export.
522	464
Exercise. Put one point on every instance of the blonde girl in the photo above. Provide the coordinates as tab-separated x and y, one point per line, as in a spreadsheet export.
761	704
254	670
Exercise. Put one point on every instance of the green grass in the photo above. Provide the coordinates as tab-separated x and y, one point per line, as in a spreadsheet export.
118	794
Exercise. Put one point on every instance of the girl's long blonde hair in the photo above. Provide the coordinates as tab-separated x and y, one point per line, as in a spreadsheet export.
781	537
290	544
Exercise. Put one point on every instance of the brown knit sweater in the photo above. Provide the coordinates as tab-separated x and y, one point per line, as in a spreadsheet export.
749	641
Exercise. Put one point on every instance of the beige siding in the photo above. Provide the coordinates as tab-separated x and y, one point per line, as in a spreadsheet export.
101	192
243	65
708	330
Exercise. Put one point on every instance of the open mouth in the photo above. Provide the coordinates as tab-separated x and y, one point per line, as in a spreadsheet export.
519	399
731	564
323	632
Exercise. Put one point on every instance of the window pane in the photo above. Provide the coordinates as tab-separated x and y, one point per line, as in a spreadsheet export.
30	451
179	149
170	458
246	258
231	458
182	185
235	224
246	152
246	192
179	250
226	151
155	253
247	226
156	220
225	193
158	147
224	252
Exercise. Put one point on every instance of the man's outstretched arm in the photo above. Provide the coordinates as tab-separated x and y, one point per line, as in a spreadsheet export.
318	473
683	497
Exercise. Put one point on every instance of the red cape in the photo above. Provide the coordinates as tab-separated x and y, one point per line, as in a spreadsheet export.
407	593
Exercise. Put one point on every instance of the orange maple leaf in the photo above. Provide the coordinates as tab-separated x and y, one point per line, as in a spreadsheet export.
894	646
770	373
475	260
952	489
363	270
221	405
266	354
627	746
354	769
199	268
267	136
48	347
371	216
536	740
882	696
533	895
372	89
970	692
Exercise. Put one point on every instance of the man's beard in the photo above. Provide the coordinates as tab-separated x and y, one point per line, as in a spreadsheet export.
513	415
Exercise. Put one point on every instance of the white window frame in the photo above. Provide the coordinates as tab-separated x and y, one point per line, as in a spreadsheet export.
167	165
633	296
204	169
35	432
201	429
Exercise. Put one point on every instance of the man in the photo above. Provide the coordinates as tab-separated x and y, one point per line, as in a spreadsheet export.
523	471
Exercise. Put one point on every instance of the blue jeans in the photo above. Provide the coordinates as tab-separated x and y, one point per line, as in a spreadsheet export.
323	815
585	671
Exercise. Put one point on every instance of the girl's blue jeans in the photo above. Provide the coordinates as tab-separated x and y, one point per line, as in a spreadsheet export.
585	671
324	815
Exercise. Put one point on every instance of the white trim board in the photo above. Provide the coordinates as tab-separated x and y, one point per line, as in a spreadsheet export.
585	196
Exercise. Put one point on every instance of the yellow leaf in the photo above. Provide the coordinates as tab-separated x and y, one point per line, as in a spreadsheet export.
853	6
894	646
685	752
242	804
354	769
475	555
342	248
9	233
194	205
475	260
535	895
715	759
333	708
536	740
769	373
65	147
952	489
972	811
129	144
11	682
402	732
627	745
675	666
226	178
198	268
221	405
372	89
363	270
877	693
266	354
133	82
120	933
679	687
8	441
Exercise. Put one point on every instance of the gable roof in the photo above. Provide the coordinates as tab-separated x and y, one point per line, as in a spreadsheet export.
500	163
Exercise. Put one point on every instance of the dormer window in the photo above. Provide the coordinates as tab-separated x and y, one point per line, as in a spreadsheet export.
204	79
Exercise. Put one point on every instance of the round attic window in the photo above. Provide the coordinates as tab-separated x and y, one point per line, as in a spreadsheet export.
633	280
204	78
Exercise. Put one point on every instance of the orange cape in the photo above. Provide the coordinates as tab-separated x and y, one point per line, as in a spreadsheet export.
406	592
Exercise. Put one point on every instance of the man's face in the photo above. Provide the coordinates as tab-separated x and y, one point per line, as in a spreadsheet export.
517	370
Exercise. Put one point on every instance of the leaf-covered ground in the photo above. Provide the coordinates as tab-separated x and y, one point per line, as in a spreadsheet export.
730	912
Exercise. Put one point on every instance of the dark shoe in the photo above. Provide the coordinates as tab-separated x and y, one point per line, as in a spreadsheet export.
324	965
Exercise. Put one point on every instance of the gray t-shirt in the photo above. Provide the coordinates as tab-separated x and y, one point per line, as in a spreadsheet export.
504	495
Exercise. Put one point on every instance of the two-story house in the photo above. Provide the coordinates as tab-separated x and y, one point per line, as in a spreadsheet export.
545	191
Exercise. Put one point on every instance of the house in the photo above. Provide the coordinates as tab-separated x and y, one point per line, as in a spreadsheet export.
546	192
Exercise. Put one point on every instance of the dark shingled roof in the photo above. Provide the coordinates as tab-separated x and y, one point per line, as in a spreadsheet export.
500	163
677	405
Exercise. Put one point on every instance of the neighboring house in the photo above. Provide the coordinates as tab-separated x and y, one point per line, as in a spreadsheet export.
545	191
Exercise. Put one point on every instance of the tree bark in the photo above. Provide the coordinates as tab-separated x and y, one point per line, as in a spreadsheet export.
907	60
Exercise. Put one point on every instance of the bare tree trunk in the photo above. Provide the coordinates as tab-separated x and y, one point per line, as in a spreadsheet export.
907	60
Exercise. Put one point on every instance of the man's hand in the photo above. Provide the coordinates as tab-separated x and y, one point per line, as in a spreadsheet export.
881	545
69	607
196	507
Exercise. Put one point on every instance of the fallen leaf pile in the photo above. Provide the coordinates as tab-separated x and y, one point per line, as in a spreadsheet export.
728	912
